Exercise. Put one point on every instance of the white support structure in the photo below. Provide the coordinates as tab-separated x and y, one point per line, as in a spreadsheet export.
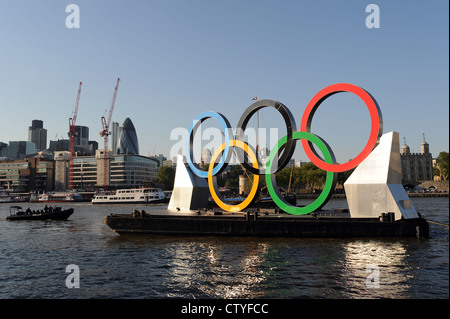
375	187
190	192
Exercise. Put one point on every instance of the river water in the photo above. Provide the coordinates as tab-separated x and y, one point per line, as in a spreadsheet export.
34	256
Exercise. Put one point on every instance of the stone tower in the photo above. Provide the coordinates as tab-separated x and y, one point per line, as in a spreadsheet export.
424	147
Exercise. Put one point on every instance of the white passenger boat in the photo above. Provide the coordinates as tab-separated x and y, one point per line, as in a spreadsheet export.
56	197
5	196
131	196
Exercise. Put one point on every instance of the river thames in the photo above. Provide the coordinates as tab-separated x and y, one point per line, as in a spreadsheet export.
34	256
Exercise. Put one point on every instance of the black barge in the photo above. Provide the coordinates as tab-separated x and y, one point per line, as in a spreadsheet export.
216	223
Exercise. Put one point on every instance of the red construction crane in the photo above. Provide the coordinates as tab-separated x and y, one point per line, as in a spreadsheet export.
105	133
72	133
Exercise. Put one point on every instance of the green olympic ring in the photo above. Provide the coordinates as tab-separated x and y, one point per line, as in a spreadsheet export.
330	181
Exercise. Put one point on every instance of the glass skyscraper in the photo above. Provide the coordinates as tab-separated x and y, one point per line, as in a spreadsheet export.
128	142
37	134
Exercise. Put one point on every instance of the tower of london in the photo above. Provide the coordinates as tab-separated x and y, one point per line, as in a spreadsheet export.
416	166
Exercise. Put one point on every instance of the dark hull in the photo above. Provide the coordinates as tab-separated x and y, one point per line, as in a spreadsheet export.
281	226
59	215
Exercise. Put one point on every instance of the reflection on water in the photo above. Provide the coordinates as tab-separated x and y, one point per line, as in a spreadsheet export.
308	268
383	260
219	271
33	257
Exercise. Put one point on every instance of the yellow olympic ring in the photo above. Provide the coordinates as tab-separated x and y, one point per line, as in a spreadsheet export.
212	180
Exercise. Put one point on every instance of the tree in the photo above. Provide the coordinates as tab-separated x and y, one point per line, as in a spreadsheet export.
283	177
232	177
166	177
442	163
309	176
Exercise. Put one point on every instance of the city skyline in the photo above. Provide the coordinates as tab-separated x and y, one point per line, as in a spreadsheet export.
177	59
82	139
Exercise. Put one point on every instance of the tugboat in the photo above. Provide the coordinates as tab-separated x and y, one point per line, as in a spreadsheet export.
16	213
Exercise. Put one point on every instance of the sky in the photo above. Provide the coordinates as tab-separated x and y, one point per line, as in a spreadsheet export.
179	58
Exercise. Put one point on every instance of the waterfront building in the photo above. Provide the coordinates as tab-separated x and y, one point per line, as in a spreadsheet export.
416	166
13	175
132	170
37	134
61	170
128	141
125	170
26	175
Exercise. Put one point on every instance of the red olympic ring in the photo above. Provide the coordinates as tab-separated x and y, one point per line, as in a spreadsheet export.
375	132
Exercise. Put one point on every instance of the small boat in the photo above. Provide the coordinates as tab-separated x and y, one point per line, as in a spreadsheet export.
16	213
131	196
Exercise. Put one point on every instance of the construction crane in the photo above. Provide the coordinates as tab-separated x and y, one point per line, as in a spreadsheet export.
105	134
72	133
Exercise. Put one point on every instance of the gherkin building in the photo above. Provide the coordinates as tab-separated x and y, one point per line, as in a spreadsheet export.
128	143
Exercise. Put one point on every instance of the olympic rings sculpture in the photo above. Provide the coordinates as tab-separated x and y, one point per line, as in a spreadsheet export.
283	150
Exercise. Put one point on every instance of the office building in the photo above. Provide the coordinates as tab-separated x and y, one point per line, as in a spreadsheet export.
81	135
124	170
17	150
128	141
82	145
114	137
37	134
27	175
